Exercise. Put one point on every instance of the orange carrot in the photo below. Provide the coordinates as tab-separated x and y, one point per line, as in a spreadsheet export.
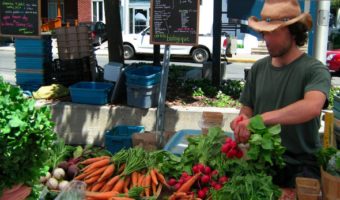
107	173
126	184
91	180
121	198
92	160
161	178
80	176
141	179
153	176
159	190
97	186
96	172
101	195
134	178
154	188
187	185
106	188
119	186
147	184
121	168
113	180
97	164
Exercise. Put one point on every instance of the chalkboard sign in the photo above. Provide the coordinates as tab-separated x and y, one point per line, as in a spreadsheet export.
20	18
174	22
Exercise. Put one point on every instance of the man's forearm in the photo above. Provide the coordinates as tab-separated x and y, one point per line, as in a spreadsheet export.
296	113
247	111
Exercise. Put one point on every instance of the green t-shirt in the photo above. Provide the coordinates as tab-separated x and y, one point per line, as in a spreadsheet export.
270	88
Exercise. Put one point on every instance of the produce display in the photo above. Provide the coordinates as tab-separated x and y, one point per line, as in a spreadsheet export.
213	166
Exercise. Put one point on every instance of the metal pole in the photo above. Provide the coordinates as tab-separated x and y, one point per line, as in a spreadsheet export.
216	57
321	33
160	114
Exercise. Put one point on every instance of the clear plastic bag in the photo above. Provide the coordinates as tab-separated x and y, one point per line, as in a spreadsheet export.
75	191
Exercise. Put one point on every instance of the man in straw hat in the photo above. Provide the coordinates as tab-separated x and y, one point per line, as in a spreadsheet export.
288	87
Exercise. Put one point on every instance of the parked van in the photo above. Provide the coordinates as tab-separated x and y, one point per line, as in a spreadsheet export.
140	44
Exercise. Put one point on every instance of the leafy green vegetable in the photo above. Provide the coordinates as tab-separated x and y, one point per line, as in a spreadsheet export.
26	133
166	162
324	155
333	166
265	144
250	186
59	152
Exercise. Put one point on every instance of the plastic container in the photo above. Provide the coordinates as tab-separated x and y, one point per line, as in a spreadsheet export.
90	92
144	76
178	143
30	62
112	71
142	96
210	119
121	137
29	78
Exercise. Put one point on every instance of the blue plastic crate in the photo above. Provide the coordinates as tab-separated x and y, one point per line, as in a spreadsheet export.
95	93
142	96
29	78
120	137
145	75
178	142
30	62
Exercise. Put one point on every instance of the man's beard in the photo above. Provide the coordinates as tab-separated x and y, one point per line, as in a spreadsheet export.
279	52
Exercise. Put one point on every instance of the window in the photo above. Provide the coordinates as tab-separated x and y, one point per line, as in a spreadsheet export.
98	13
53	9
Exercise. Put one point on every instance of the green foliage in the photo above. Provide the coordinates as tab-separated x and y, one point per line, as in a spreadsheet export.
223	100
233	88
334	91
333	166
250	186
26	133
324	155
265	144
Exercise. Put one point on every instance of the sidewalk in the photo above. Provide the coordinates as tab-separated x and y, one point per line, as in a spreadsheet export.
241	56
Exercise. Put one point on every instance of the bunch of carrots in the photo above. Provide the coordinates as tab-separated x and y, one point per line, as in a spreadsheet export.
113	177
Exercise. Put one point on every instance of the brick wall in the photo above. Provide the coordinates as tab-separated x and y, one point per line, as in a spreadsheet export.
84	10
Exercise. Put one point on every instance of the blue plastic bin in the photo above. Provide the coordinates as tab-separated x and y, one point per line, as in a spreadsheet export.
120	137
144	76
95	93
29	78
142	96
178	142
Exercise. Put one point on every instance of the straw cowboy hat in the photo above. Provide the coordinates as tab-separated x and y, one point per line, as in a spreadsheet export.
279	13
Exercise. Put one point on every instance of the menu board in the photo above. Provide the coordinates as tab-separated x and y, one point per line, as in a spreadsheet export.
174	22
20	18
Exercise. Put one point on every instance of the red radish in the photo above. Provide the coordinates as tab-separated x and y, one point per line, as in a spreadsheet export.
213	183
172	182
177	186
181	180
223	179
186	178
195	169
225	148
207	170
228	140
200	167
205	179
201	194
233	144
214	172
217	186
185	174
239	154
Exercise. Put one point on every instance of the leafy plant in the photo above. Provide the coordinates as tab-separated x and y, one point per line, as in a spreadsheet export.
265	144
26	133
334	91
232	88
324	155
253	186
223	100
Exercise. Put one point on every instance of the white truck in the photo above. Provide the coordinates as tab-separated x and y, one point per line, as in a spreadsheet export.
140	44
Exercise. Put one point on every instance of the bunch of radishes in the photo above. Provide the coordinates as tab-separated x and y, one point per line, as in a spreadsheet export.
209	179
231	149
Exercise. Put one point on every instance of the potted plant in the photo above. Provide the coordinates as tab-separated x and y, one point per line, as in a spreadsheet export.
26	133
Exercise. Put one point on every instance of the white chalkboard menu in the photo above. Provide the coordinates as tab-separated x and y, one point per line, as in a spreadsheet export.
174	22
20	18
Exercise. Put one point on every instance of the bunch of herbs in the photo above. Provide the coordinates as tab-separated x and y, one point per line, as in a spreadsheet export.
26	134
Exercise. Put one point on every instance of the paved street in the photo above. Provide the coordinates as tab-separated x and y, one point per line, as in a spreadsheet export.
233	70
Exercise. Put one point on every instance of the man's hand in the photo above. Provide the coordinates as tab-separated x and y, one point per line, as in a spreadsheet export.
239	126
